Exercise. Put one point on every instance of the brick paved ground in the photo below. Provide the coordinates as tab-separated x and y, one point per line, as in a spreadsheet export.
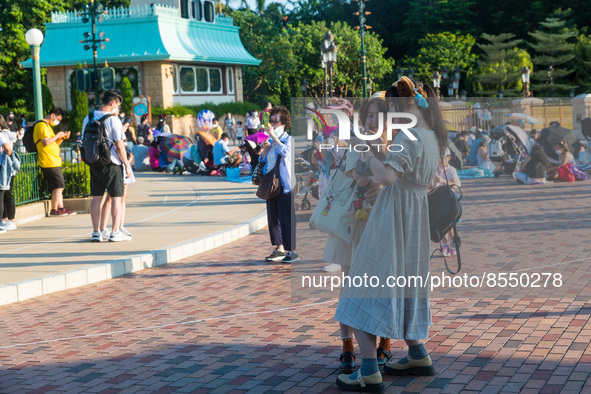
226	322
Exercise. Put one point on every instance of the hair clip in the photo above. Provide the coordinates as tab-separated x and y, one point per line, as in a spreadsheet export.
421	101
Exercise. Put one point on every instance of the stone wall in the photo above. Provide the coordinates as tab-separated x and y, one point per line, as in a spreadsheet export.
158	83
58	84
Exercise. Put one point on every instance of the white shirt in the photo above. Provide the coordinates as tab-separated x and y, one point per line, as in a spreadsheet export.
114	130
4	139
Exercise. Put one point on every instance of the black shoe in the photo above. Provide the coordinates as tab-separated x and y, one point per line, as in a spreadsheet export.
291	257
275	256
347	365
383	357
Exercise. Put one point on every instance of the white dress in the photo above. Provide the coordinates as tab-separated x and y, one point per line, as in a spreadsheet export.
396	243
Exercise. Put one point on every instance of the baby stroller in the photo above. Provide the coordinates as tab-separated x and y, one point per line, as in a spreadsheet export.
507	146
304	173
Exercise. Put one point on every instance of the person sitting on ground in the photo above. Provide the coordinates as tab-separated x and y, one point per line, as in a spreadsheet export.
141	154
484	161
170	164
216	130
154	154
533	170
461	143
534	135
223	156
566	162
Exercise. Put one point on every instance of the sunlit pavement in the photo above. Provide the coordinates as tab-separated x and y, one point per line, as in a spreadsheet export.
226	321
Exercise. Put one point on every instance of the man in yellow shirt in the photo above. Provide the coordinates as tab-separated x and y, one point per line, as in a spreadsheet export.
50	161
216	130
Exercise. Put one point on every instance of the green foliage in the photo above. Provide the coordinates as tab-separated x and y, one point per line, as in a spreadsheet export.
582	63
500	66
219	110
46	98
79	106
443	50
77	179
127	93
264	40
553	48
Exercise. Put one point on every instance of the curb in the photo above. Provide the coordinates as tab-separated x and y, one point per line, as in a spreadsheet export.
20	291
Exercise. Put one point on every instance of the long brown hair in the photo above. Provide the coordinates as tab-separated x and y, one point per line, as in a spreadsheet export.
363	114
407	88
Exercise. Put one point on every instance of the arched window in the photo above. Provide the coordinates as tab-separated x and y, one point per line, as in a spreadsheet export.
196	10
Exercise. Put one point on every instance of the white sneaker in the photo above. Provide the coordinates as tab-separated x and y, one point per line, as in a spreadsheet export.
96	237
105	234
332	267
9	225
2	230
124	230
119	236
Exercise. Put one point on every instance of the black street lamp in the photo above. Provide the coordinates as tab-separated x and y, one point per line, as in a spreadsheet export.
400	72
444	70
463	95
525	74
450	90
455	81
304	89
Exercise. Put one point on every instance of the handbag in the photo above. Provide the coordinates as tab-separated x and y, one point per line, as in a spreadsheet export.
270	184
579	175
445	210
335	214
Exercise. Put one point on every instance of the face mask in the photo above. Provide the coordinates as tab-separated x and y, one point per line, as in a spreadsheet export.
279	131
558	151
11	118
55	122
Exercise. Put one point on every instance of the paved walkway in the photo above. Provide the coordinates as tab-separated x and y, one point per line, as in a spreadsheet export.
162	210
224	321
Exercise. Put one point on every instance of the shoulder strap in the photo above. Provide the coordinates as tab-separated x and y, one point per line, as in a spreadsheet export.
456	237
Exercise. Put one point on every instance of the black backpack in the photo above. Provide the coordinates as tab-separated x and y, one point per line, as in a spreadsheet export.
96	150
28	142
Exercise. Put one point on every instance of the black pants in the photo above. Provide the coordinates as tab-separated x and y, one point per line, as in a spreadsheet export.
191	166
282	221
7	207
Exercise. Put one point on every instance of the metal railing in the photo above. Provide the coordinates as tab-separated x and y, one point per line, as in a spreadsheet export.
30	185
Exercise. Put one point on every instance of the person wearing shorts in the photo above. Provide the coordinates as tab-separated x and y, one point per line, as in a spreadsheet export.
49	159
110	177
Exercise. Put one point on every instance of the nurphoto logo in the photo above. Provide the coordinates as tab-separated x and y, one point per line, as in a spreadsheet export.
344	128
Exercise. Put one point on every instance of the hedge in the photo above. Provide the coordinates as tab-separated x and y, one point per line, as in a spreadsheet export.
220	110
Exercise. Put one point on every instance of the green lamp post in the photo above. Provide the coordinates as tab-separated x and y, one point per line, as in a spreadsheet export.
34	38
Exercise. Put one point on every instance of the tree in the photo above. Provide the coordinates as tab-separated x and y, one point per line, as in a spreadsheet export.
306	40
500	64
266	41
79	105
127	93
46	98
553	51
582	63
437	51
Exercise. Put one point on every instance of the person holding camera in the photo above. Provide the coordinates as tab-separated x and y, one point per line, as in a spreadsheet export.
48	148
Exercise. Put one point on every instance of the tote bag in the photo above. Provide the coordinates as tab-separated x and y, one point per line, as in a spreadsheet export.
334	214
